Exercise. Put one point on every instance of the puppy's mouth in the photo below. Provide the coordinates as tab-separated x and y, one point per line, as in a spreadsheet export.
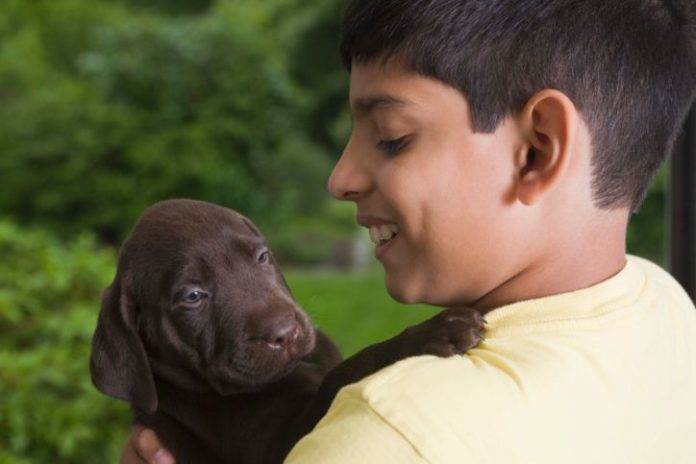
257	362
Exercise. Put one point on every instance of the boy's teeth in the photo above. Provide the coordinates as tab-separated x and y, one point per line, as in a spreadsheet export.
383	232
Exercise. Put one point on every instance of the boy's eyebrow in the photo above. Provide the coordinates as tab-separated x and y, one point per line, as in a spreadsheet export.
366	105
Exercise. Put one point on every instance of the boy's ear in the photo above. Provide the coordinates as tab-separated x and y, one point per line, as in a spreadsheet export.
549	125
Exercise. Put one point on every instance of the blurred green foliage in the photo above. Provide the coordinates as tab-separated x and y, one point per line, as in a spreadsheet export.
647	231
49	293
107	107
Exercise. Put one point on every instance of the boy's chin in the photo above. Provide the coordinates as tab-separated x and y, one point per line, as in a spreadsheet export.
413	292
405	291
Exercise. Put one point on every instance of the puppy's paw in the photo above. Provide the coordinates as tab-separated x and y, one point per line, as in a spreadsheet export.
452	331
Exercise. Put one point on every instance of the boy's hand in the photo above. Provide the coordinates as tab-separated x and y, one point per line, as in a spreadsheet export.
143	447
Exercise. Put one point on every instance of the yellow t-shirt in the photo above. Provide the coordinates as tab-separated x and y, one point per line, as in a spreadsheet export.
606	374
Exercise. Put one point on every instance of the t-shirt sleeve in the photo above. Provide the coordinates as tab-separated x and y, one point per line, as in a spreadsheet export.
353	432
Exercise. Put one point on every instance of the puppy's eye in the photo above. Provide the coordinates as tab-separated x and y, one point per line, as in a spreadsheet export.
194	296
263	257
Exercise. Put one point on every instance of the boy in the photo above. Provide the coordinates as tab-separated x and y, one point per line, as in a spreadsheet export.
497	152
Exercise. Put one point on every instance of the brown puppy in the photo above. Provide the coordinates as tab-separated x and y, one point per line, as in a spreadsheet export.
200	332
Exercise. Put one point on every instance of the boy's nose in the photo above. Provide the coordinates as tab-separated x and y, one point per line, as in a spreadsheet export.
350	179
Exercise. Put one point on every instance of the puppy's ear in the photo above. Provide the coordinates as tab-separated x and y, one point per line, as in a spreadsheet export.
119	364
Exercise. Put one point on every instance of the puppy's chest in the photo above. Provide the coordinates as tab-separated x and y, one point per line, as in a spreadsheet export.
240	429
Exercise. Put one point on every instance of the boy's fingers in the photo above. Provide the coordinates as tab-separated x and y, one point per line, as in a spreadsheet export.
143	447
162	456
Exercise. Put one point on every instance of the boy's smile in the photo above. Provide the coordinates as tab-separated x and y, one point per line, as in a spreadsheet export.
430	191
381	231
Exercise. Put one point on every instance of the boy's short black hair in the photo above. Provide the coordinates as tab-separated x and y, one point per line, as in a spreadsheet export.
629	66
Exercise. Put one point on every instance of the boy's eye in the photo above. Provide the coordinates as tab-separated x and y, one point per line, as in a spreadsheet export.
392	147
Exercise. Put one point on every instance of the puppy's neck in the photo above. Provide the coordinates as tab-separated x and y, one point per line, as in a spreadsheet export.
172	376
194	391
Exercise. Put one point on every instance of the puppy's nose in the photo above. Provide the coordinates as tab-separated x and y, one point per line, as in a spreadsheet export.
279	334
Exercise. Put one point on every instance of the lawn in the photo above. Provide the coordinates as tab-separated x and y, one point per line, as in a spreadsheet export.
353	308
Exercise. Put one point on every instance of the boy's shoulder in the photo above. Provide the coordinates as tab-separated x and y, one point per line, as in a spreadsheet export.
543	377
535	331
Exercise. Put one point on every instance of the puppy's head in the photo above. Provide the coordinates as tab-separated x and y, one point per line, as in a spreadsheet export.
199	302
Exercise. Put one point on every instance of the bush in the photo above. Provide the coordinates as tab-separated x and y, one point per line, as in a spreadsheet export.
647	230
105	111
49	294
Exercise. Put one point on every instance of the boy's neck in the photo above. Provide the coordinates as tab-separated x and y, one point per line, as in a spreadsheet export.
571	260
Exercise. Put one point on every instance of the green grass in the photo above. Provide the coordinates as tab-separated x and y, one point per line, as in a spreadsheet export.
354	309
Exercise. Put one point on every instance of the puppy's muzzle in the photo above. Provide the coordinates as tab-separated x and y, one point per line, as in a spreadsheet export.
280	334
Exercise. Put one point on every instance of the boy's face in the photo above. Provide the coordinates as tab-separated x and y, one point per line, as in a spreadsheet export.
414	166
